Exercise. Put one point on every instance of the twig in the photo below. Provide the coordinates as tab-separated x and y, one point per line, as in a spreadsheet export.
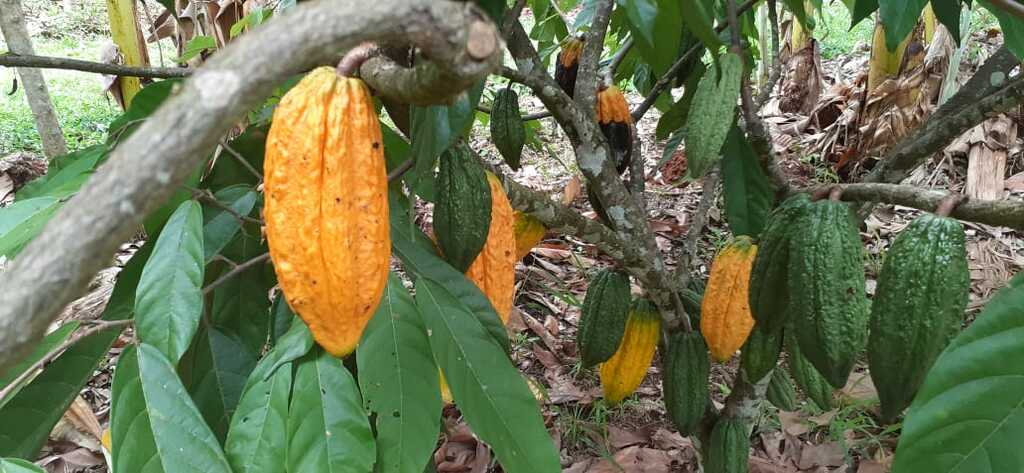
400	171
240	268
526	118
48	62
620	56
206	196
241	160
561	14
776	71
699	220
92	327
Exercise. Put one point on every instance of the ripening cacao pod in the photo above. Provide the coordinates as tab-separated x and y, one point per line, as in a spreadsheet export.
462	213
725	318
625	370
603	317
507	130
684	381
807	377
827	287
780	391
761	353
769	282
918	308
494	270
616	124
326	208
568	64
729	447
529	232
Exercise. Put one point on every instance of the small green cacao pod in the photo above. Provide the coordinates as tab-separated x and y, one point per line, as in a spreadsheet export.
507	130
769	283
807	377
711	114
780	391
684	382
729	448
603	317
827	287
462	214
918	308
761	353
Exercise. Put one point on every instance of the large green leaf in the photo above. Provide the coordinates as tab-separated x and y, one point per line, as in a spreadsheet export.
797	8
21	221
948	13
699	19
214	372
899	18
1012	26
748	194
712	114
434	129
328	431
642	15
657	26
17	465
154	427
241	305
42	349
143	105
399	382
220	225
66	174
257	439
861	10
169	300
229	170
294	344
490	392
969	414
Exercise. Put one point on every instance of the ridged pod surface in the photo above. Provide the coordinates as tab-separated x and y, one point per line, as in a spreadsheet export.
807	377
494	270
684	381
625	370
918	308
780	391
760	354
603	317
725	318
529	233
729	448
827	287
326	206
507	130
462	214
616	124
568	64
769	280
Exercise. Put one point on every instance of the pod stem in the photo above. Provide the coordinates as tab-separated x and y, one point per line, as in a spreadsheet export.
949	203
354	59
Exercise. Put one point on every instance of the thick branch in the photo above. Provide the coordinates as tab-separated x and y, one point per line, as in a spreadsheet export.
526	118
147	168
47	62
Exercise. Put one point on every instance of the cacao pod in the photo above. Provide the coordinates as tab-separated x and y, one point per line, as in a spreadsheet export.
918	308
616	124
826	284
494	270
507	130
780	391
462	214
625	370
711	114
760	354
769	280
326	208
568	64
684	381
807	377
725	318
729	448
529	233
603	317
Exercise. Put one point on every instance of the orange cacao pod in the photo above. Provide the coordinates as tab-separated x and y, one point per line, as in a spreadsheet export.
725	318
625	370
326	206
529	232
493	270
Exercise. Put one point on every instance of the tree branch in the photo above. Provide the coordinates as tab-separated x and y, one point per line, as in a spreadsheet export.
1012	7
526	118
776	71
147	168
48	62
620	56
235	271
698	220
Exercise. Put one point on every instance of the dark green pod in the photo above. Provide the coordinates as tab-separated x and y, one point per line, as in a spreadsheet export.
761	353
769	289
780	391
827	289
462	214
918	308
603	317
507	130
684	382
807	377
729	449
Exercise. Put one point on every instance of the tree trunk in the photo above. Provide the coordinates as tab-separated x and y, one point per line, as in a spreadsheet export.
12	24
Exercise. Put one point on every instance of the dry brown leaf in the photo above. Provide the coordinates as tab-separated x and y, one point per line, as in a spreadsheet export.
621	438
79	426
572	190
515	322
859	387
761	465
793	423
634	460
871	466
549	340
671	440
547	358
826	454
551	324
823	419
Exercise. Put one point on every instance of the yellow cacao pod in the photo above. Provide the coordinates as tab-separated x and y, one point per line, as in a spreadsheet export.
493	270
529	232
625	370
725	318
326	206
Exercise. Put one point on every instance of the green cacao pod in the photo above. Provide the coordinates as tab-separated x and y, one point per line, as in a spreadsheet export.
684	382
826	287
769	288
780	391
507	130
918	308
603	317
761	353
729	449
807	377
711	114
462	214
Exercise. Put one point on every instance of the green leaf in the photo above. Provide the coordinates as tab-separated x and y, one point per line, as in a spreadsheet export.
143	105
281	317
328	431
657	26
154	426
969	414
676	116
294	344
948	13
241	305
220	225
257	439
712	114
699	20
642	15
21	221
399	382
228	169
215	371
195	46
434	129
748	194
66	175
169	300
899	18
42	349
797	8
490	392
861	10
494	8
1013	28
17	465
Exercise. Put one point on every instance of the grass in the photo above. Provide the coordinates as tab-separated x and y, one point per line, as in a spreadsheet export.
834	32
